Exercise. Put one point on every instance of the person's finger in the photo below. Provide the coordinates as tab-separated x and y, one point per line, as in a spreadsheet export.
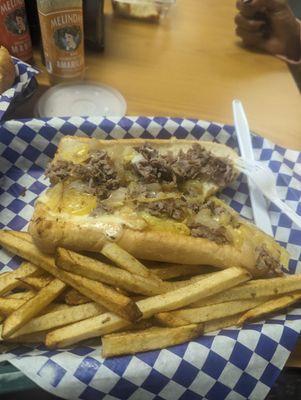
251	25
254	39
270	5
249	9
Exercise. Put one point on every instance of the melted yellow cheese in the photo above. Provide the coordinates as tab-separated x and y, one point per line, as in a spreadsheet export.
52	197
77	203
77	153
72	204
64	199
166	225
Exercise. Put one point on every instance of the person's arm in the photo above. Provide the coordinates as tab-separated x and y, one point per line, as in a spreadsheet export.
269	25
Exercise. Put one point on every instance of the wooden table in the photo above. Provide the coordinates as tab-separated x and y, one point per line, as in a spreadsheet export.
193	66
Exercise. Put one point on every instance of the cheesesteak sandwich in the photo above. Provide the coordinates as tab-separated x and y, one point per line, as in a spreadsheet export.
155	199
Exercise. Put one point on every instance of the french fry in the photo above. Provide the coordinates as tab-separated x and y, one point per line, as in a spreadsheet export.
89	328
34	338
21	295
55	307
109	322
27	250
22	235
10	280
11	303
207	313
167	319
32	307
212	301
178	270
255	289
125	260
96	291
23	247
269	307
58	318
74	298
8	306
103	295
140	325
150	339
38	337
215	283
97	270
170	286
217	324
36	282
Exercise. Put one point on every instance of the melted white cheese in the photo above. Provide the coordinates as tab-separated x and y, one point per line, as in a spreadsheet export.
110	225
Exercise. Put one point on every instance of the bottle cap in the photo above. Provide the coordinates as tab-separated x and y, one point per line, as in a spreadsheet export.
81	98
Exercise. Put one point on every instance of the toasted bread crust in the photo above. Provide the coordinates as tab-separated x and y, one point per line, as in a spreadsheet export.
218	149
50	233
175	248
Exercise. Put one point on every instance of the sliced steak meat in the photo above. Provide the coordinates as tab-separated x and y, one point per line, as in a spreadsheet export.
267	262
219	171
196	163
154	167
98	172
171	208
214	208
147	151
101	209
218	235
217	210
59	171
193	206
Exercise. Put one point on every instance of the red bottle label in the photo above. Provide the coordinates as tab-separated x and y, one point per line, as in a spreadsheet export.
14	31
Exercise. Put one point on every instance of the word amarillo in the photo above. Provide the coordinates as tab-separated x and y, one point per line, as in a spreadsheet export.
68	64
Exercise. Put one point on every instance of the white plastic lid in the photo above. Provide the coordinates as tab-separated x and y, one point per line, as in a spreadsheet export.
82	99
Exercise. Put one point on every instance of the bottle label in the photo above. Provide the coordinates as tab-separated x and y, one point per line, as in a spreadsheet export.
62	35
14	31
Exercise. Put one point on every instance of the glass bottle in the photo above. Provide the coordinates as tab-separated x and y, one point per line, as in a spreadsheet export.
61	23
94	24
14	31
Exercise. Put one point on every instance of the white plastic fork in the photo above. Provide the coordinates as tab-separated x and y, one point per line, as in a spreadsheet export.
264	179
259	207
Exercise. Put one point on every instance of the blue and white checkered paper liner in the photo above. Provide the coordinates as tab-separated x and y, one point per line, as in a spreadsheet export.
24	74
231	364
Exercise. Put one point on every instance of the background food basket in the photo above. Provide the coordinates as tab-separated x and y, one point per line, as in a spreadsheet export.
24	86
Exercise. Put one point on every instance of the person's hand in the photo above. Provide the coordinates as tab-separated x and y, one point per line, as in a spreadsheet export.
269	25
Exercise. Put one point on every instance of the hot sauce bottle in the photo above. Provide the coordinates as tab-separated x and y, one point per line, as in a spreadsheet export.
61	24
14	31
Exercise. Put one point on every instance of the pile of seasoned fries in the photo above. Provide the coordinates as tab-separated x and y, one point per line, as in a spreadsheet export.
69	297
